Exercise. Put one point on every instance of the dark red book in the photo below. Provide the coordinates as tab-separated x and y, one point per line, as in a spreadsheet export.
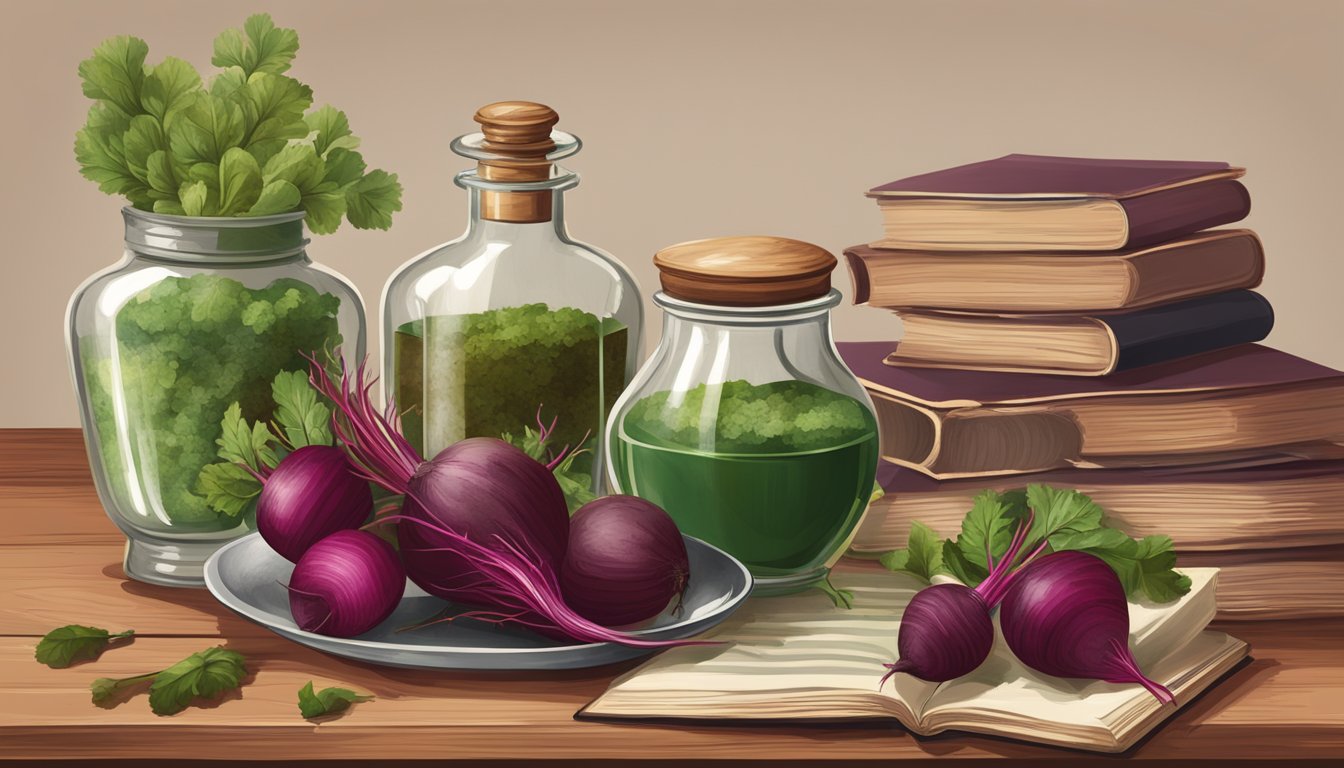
1036	202
1243	405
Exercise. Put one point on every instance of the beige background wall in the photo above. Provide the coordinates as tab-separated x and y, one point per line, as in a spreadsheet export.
712	118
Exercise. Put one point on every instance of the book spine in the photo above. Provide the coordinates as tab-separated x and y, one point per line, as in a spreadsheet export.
1161	216
1189	328
858	272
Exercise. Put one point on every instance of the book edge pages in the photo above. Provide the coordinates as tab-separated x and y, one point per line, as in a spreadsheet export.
1221	175
954	404
896	359
1194	238
1186	686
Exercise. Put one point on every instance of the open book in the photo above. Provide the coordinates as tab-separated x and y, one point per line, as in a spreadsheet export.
800	657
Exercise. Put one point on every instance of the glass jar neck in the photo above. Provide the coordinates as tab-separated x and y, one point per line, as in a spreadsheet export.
480	222
215	240
816	311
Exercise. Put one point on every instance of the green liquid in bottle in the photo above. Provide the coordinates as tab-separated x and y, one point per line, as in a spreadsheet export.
780	482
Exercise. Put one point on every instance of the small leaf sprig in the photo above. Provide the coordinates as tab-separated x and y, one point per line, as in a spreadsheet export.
248	143
249	452
328	701
66	645
1064	519
208	674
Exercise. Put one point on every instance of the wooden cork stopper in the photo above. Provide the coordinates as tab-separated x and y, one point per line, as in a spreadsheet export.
747	271
520	132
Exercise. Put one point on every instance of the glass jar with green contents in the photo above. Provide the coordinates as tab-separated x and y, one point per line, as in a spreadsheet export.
514	325
201	314
745	425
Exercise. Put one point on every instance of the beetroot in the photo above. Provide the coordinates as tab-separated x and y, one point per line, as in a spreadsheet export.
313	492
345	584
626	561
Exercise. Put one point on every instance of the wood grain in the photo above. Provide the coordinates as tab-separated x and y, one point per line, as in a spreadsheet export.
1288	703
520	131
745	271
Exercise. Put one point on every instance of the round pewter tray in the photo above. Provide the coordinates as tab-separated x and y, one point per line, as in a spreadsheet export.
246	575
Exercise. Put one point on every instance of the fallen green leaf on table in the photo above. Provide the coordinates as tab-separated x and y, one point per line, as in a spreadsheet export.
327	701
1066	519
204	675
64	646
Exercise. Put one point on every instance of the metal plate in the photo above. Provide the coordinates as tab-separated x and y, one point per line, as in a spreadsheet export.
246	575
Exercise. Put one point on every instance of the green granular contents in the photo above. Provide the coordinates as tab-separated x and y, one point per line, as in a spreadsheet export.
489	371
779	417
187	347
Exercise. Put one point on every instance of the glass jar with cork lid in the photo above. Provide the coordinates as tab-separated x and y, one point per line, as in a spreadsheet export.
514	326
745	425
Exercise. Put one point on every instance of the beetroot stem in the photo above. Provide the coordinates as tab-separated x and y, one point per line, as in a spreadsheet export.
901	665
516	582
1126	660
372	439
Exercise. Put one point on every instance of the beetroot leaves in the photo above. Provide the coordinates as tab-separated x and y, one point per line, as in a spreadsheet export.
946	631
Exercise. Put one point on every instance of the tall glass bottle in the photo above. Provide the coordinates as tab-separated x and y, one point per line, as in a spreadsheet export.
514	325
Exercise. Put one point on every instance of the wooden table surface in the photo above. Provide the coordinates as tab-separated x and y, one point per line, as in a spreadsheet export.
60	563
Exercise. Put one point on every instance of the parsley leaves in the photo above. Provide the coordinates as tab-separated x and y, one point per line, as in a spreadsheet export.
173	144
232	485
208	674
328	701
64	646
1066	519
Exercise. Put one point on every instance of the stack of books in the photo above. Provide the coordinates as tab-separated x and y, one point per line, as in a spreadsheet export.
1076	322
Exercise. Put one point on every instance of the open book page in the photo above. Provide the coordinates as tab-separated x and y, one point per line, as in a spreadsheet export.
1005	697
1077	713
800	657
786	658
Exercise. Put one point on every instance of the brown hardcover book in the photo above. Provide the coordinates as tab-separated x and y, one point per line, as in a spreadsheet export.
1035	202
1081	345
1056	281
1245	404
1202	511
1259	584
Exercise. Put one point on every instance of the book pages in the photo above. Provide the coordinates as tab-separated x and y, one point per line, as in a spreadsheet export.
801	657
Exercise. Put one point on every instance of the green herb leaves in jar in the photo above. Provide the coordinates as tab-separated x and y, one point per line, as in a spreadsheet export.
187	347
491	372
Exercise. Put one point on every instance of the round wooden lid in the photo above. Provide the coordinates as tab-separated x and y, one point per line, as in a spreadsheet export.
520	129
749	271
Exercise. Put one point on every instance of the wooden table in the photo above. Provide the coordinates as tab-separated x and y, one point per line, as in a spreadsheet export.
60	562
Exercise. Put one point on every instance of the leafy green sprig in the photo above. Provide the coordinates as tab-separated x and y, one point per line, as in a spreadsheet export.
328	701
248	144
208	674
575	484
66	645
249	452
1066	519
